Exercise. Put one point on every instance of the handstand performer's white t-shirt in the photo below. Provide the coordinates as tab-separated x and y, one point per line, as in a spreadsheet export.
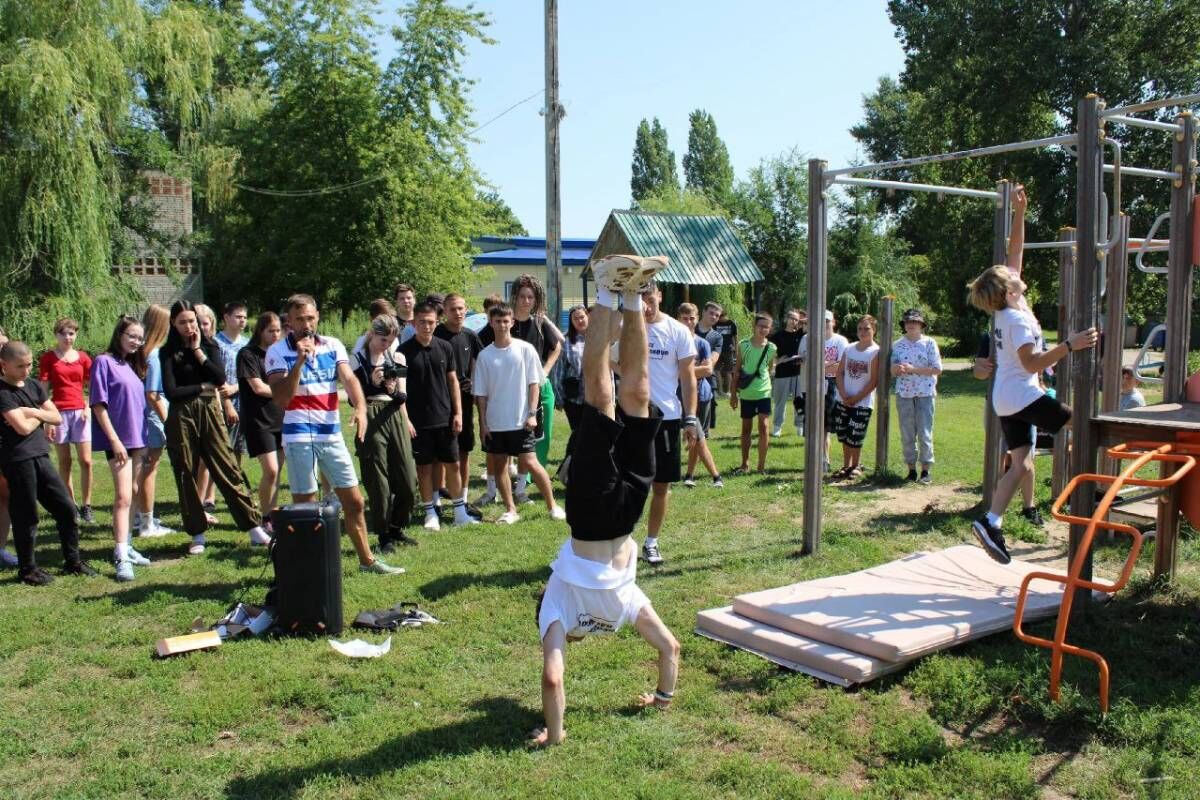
1015	387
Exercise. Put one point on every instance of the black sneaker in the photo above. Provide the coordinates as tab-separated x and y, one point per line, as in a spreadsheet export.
991	539
404	539
1033	516
80	568
911	476
36	576
386	548
925	479
86	515
474	511
209	508
651	554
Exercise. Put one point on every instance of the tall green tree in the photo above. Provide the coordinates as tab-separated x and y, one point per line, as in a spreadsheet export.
498	219
772	217
653	162
75	128
391	194
979	73
706	165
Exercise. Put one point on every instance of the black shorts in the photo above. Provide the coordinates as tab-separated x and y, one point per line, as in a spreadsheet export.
466	438
798	403
610	473
831	404
261	440
704	413
752	408
850	425
109	455
435	444
667	452
1045	414
510	443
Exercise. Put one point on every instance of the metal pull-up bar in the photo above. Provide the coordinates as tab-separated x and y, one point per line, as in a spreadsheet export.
1032	144
1140	172
1185	100
1152	124
917	187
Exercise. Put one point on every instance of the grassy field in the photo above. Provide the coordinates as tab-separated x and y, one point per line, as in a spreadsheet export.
86	711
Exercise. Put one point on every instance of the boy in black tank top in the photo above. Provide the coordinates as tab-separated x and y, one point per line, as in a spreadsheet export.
592	588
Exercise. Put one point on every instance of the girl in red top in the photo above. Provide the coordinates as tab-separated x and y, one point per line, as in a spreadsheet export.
65	370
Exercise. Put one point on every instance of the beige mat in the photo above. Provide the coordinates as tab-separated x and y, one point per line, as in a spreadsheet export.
903	609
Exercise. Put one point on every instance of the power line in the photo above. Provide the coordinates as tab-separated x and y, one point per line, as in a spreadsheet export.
344	187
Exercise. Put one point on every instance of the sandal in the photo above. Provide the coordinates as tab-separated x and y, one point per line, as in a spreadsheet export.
737	472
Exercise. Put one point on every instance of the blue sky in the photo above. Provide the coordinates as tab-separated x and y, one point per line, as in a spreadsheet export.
775	75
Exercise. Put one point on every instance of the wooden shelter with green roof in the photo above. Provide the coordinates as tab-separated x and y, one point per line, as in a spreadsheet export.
704	250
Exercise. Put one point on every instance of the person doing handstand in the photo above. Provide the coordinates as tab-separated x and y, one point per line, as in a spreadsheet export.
592	588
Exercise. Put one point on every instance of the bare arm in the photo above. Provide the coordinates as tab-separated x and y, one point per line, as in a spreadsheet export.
705	368
481	403
154	399
532	400
355	394
1016	240
1035	363
841	372
552	359
22	421
687	385
259	387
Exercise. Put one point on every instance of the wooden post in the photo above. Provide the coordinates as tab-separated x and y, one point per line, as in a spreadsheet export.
993	448
883	406
554	114
814	406
1066	272
1114	323
1179	321
1084	313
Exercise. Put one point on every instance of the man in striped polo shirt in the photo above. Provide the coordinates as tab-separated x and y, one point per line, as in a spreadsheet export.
303	370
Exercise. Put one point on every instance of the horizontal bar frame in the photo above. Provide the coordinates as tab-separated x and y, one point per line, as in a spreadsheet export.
1152	124
1166	102
958	155
982	194
1139	172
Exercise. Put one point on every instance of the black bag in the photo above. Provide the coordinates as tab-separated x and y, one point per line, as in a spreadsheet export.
745	378
307	555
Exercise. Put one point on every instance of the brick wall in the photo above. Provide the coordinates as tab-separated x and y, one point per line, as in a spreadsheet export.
171	199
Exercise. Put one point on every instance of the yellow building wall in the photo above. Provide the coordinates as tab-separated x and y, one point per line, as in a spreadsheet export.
502	276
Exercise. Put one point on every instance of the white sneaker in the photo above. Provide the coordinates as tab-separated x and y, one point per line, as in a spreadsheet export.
124	571
508	518
137	559
148	530
197	545
259	536
558	513
777	432
465	520
431	523
617	273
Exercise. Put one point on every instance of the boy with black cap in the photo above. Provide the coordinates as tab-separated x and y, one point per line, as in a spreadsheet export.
916	365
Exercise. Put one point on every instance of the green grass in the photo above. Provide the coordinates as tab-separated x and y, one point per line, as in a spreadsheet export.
86	711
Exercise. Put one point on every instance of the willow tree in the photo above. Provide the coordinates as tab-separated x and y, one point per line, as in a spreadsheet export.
74	130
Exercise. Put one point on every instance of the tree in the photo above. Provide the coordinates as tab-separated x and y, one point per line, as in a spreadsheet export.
706	165
868	261
653	161
980	73
497	218
75	128
772	217
391	194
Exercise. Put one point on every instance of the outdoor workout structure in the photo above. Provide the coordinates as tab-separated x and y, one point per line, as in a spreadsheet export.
1094	258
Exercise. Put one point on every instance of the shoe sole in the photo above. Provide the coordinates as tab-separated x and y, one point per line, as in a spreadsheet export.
617	273
989	547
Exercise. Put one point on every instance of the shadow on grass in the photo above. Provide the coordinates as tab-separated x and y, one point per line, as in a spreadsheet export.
498	724
143	592
438	588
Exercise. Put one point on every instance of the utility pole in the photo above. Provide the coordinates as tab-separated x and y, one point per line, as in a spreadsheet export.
553	112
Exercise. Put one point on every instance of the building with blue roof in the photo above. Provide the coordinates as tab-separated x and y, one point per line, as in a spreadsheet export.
504	258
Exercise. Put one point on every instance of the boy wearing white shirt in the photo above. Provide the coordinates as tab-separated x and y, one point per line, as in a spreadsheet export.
1017	395
507	382
916	365
834	348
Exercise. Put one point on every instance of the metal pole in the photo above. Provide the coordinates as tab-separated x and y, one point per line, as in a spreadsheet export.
958	155
883	405
1182	100
1084	313
1066	271
1059	245
554	114
1114	324
916	187
1141	172
814	402
1135	122
1179	320
993	449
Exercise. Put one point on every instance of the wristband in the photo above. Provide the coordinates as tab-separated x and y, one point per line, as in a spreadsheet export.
691	421
663	697
1068	344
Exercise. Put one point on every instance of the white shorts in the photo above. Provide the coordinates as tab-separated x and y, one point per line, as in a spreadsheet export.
582	610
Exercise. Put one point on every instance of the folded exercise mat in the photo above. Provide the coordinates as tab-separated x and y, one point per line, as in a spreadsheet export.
904	609
824	661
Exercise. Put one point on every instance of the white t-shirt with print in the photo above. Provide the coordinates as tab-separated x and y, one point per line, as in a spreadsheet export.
834	347
858	373
1014	387
922	353
669	342
503	375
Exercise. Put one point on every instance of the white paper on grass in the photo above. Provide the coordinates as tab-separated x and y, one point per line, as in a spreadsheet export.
357	648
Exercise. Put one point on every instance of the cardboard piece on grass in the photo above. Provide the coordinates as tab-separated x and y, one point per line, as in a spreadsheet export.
357	648
175	645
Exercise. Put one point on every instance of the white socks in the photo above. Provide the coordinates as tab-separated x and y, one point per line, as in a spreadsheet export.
431	509
605	297
631	301
522	485
491	484
122	551
651	541
993	520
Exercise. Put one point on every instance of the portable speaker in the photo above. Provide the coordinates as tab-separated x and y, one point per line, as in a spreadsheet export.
306	552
